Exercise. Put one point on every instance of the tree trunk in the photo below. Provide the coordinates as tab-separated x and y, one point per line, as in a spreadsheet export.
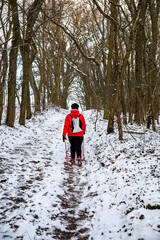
2	82
13	65
139	47
35	90
28	107
124	110
152	68
115	101
109	73
26	67
57	88
130	92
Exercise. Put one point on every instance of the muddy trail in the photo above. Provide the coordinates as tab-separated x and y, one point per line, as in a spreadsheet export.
71	216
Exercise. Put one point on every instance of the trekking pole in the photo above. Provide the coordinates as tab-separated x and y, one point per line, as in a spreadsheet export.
66	152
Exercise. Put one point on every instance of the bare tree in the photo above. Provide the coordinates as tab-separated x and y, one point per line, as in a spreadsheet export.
6	31
13	63
32	14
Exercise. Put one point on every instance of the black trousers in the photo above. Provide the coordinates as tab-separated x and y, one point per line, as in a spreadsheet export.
76	143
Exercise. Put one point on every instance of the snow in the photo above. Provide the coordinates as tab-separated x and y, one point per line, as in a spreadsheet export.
106	198
153	201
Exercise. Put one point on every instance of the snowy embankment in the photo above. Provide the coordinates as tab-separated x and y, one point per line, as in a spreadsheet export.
107	198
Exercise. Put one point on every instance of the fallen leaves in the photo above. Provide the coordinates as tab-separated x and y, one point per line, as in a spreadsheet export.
141	217
39	178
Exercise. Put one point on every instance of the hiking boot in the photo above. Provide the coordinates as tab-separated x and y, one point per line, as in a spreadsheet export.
79	161
73	160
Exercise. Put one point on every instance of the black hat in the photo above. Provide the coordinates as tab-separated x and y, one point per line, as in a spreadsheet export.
74	106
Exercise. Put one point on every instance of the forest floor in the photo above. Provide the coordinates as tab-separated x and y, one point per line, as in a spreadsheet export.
114	195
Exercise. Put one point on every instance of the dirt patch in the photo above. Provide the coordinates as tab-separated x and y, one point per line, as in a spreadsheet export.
71	216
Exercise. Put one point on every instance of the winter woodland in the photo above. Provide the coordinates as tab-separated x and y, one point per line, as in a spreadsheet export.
104	55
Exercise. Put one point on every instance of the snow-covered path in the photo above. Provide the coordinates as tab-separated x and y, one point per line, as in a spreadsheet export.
39	194
30	178
42	198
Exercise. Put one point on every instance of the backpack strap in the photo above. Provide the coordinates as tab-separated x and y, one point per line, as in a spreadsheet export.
71	123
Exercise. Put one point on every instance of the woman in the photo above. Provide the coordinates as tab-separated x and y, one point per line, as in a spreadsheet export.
75	128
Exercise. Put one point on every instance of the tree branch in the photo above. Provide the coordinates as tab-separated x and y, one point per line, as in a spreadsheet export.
75	41
104	14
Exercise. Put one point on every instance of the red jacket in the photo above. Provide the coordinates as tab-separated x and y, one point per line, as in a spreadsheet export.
68	124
